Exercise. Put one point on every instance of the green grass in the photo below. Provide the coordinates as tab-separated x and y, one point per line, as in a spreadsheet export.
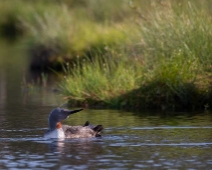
147	54
166	63
124	83
100	80
74	28
187	31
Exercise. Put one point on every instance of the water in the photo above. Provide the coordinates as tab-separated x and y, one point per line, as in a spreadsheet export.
130	140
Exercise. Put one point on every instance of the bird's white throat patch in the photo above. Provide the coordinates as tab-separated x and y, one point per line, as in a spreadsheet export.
57	133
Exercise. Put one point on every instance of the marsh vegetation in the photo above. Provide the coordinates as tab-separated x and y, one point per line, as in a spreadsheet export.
145	55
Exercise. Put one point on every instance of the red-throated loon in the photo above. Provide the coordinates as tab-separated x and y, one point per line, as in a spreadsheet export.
57	130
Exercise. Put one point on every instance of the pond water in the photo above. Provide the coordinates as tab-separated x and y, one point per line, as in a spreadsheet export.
140	140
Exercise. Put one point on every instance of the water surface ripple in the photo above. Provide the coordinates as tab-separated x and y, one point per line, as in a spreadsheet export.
134	147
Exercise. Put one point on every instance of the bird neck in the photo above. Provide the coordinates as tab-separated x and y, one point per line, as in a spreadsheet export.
59	125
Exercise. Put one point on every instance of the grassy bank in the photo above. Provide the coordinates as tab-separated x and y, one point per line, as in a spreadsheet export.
167	67
147	54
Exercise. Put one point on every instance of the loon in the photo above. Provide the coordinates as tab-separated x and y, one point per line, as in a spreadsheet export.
57	130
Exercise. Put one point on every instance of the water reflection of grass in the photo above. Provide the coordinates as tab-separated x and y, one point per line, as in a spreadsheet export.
154	54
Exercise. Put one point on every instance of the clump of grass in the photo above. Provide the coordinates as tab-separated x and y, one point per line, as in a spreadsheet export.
99	81
171	84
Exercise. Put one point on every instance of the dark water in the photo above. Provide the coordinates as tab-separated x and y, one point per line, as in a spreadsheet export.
130	140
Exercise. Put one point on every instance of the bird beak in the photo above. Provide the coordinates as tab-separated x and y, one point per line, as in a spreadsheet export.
73	111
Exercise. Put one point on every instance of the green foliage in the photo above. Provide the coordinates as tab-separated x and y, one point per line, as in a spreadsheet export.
72	27
171	49
146	54
99	81
182	27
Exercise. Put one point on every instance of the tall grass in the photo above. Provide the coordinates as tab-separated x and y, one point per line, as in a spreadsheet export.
99	81
171	30
154	54
171	46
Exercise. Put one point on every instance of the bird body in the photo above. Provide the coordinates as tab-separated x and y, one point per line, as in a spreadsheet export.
57	130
